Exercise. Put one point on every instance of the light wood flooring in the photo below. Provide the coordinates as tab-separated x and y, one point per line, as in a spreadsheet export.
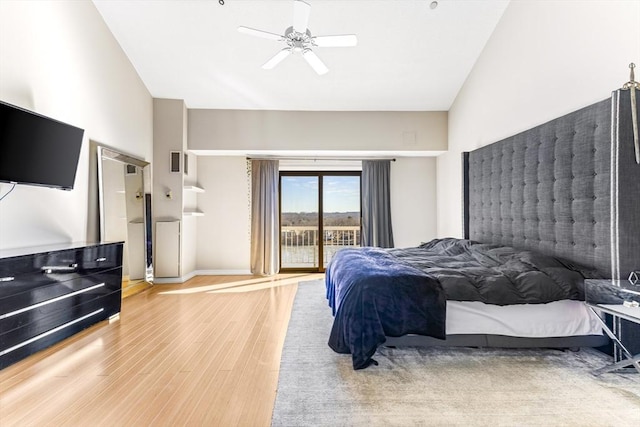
205	353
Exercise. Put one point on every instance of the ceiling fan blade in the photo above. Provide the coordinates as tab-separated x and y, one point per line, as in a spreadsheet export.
345	40
301	12
260	33
276	59
315	62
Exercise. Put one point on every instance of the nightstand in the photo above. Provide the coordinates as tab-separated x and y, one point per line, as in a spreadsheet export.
619	298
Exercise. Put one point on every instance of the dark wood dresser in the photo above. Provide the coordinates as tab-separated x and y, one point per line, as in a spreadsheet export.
49	293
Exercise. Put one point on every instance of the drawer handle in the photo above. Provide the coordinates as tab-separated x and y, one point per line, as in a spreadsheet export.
48	269
7	279
101	259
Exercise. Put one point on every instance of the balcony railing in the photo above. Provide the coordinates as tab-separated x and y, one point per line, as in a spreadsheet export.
299	245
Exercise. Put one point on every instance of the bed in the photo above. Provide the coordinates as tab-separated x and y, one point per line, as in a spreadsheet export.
543	210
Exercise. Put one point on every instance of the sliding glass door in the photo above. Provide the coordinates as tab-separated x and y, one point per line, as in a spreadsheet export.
319	214
340	214
299	224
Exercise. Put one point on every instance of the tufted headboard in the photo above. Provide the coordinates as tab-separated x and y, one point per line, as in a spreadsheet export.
569	188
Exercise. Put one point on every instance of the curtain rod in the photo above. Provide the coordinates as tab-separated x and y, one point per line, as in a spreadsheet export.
353	159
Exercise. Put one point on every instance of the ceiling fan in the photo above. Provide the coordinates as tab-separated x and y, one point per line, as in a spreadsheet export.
298	39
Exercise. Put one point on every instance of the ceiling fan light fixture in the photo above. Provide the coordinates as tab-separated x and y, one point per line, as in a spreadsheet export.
298	39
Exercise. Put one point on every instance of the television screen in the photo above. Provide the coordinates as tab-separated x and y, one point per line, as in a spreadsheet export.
37	150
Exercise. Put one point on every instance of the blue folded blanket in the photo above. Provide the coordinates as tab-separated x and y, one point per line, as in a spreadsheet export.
372	296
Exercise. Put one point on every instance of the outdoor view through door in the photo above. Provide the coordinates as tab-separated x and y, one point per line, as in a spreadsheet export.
319	214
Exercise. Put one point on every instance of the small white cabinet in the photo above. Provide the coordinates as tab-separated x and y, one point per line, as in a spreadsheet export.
167	263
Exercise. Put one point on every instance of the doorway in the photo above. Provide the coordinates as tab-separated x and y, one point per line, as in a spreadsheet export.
319	215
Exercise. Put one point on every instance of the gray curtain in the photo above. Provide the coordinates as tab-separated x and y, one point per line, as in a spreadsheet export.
376	204
265	221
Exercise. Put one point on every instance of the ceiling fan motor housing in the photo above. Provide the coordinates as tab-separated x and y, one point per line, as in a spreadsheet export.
298	42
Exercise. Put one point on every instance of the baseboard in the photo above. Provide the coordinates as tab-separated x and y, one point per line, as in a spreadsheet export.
223	273
182	279
166	280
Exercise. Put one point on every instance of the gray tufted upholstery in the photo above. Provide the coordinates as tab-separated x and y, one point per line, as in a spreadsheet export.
569	188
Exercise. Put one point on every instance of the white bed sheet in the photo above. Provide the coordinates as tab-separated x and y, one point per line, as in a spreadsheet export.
554	319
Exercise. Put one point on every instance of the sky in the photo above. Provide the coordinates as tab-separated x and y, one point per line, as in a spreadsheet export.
300	194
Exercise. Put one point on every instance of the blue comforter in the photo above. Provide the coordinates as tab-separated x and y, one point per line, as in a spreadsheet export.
378	296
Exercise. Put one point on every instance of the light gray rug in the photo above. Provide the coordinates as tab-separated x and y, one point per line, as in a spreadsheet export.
440	386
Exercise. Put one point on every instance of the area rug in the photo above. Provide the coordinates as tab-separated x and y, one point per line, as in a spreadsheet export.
442	386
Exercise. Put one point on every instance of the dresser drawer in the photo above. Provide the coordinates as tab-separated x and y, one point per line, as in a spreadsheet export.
62	263
65	312
84	292
21	342
21	294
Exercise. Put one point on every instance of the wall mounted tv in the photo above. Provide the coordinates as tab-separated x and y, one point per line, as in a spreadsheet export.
37	150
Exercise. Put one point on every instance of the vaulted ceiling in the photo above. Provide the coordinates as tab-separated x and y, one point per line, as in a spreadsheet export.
409	57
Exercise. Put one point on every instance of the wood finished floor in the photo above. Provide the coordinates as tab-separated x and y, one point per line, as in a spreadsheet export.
206	353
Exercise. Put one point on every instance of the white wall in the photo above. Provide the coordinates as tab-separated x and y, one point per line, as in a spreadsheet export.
169	124
544	60
58	58
168	136
413	200
317	130
223	243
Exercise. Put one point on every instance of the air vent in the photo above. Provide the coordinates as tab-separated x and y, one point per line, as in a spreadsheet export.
174	161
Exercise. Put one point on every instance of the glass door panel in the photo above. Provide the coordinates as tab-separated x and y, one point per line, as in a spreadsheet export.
340	213
299	224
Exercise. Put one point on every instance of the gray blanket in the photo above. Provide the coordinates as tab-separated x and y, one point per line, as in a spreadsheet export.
471	271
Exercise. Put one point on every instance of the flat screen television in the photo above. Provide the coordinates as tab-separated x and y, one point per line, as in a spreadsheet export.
37	150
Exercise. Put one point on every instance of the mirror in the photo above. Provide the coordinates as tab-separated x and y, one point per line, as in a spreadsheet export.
124	194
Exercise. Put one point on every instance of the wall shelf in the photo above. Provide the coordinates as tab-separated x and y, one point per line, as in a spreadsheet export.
192	213
193	188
